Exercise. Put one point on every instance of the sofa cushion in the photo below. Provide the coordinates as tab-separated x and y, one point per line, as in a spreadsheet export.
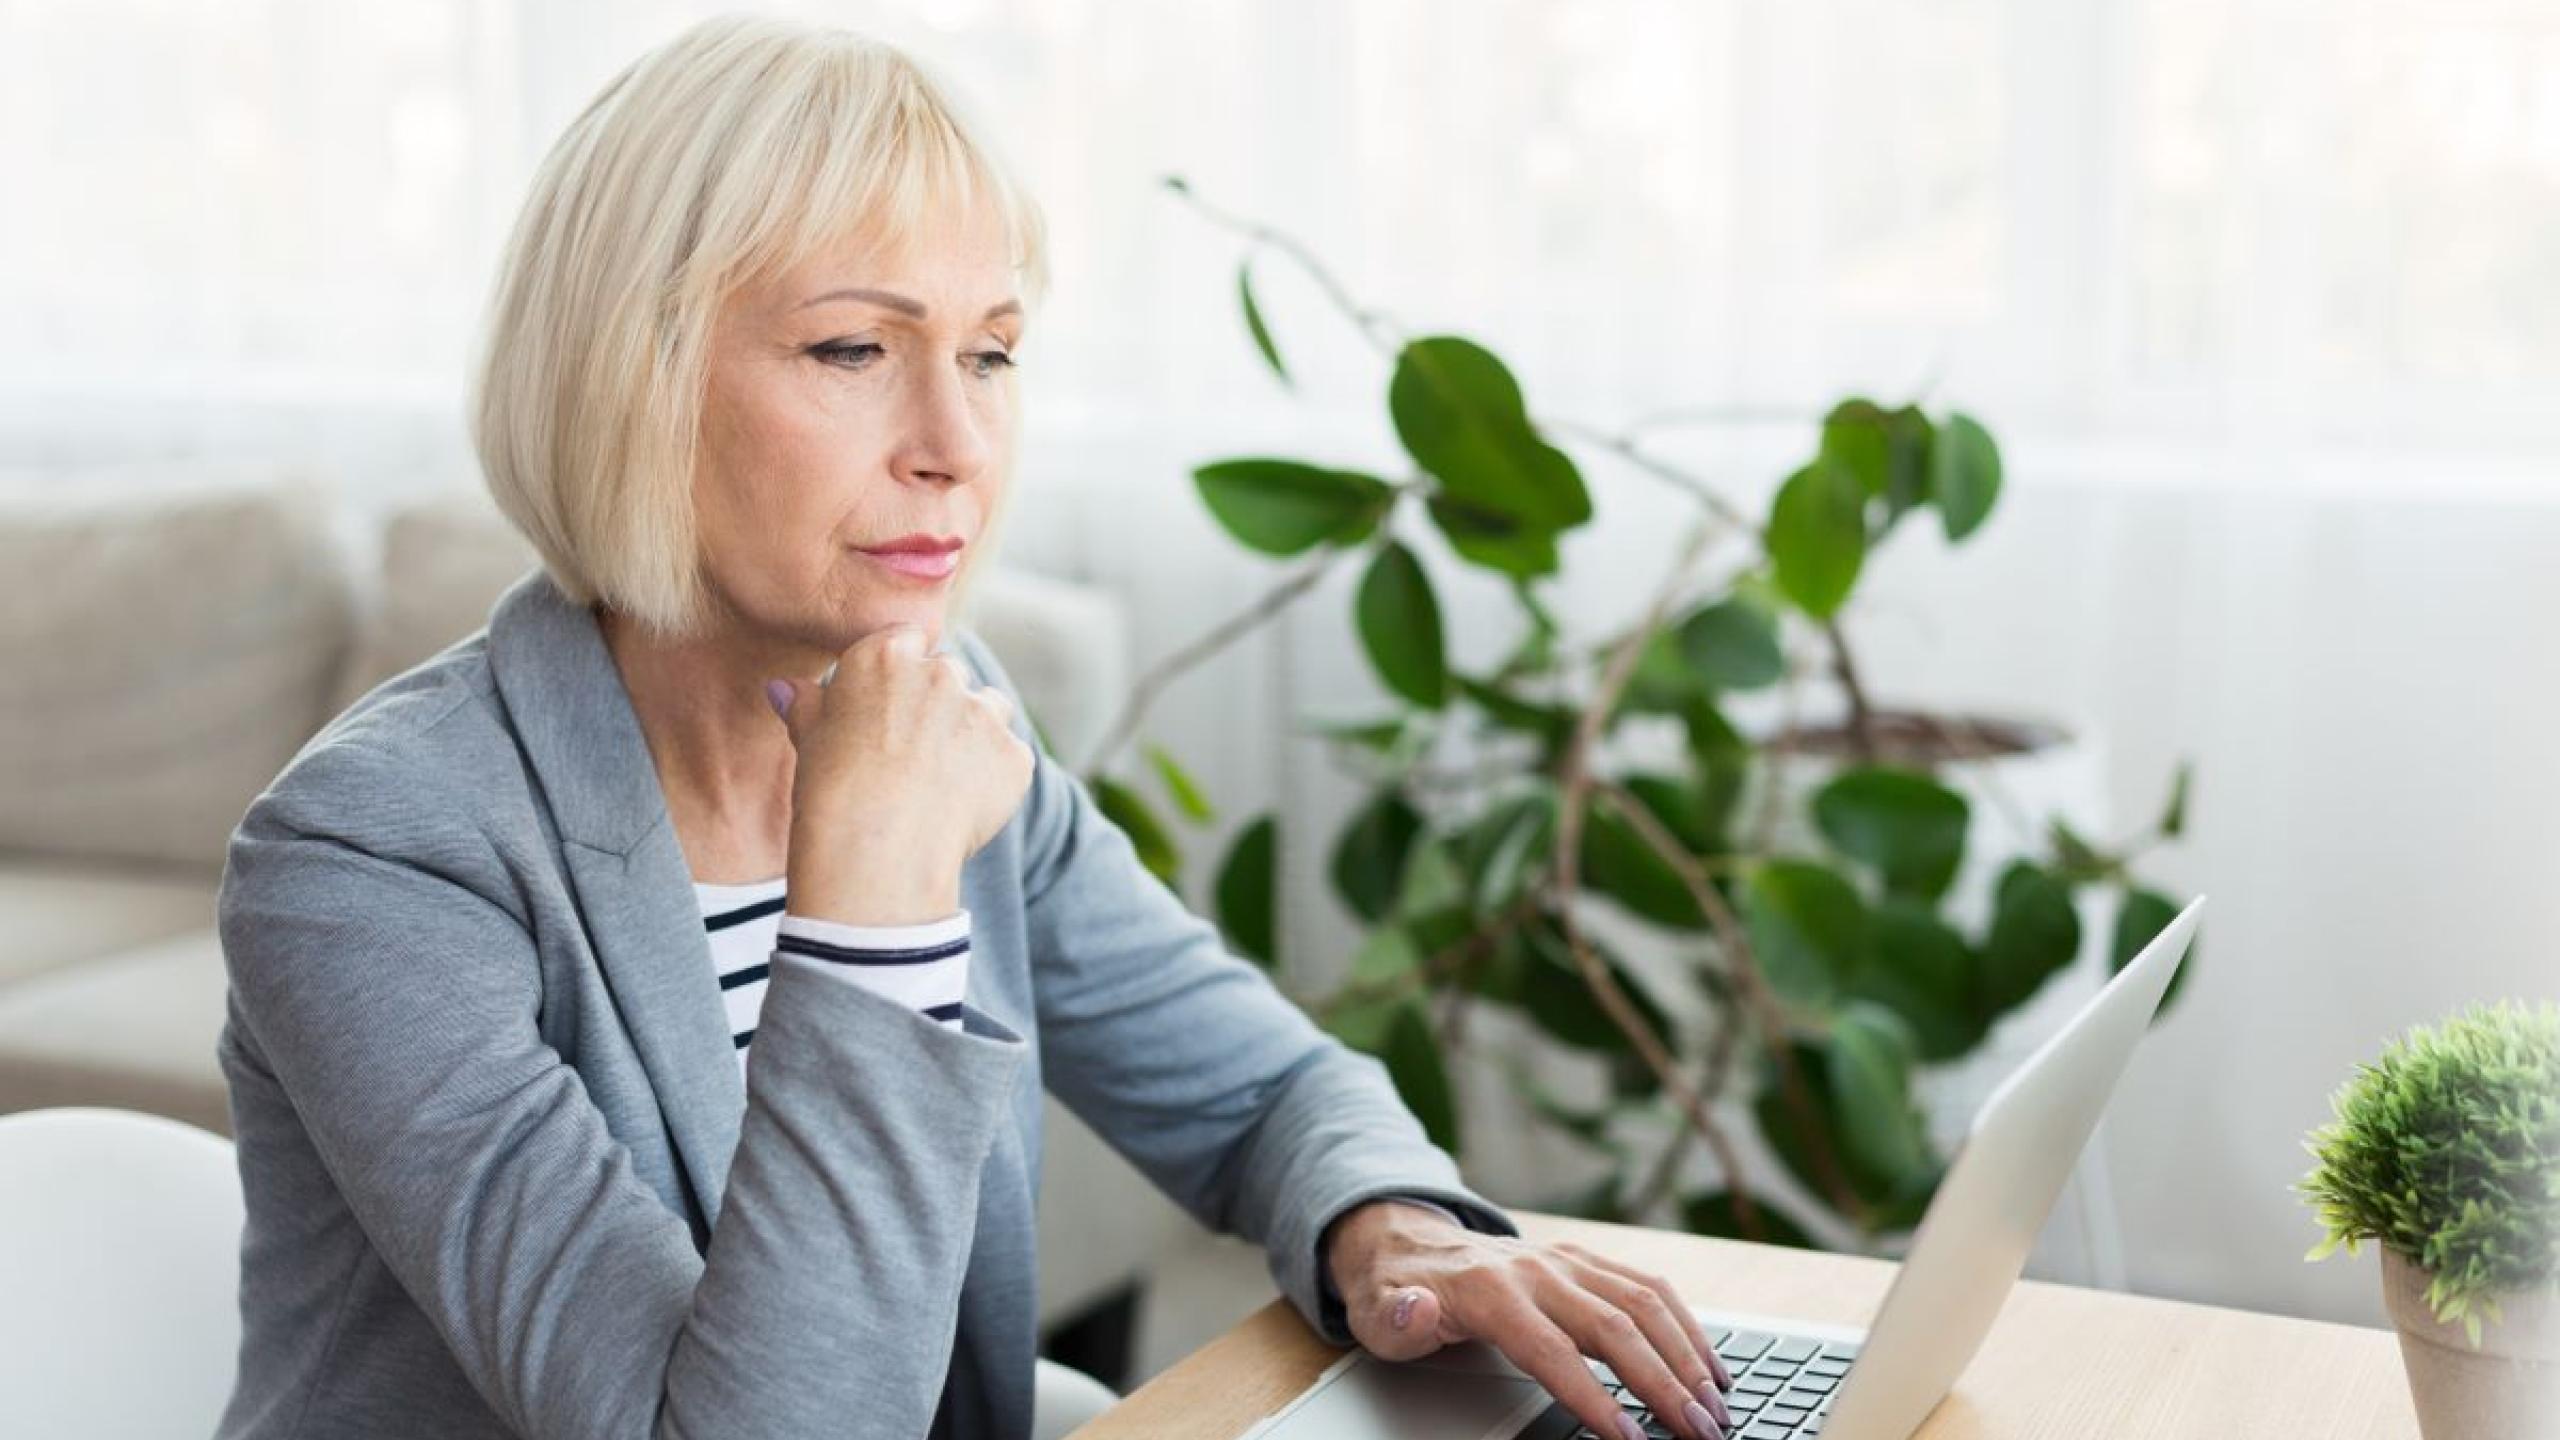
55	912
171	640
134	1031
444	562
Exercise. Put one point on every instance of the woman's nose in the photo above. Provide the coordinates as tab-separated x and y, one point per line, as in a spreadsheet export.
948	436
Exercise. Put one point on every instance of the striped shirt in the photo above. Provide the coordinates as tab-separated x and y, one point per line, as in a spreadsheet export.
924	965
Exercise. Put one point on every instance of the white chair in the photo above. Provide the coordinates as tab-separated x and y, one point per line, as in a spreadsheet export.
120	1238
120	1317
1063	1397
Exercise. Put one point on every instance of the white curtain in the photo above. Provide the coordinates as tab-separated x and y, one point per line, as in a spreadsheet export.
2259	294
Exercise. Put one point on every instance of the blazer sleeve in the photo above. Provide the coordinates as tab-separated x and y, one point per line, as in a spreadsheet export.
382	972
1186	1060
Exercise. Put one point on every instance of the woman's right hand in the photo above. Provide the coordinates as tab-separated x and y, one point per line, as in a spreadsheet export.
906	767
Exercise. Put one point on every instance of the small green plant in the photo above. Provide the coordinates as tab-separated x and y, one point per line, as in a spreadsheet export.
2448	1151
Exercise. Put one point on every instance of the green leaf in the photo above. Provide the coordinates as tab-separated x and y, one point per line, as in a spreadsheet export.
1663	681
1964	468
1414	1062
1720	766
1433	878
1389	954
1913	440
1906	825
1808	927
1246	884
1370	855
1461	417
2173	820
1616	862
1551	724
2139	921
1675	802
1281	507
1400	626
1484	536
1733	645
1381	734
1923	971
1179	784
1253	322
1557	999
1711	1213
2035	933
1871	1053
1124	808
1367	1021
1497	973
2075	858
1887	1200
1855	439
1505	845
1818	537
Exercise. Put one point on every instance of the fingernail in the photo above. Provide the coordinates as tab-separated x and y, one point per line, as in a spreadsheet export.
779	693
1404	1307
1700	1421
1628	1427
1715	1403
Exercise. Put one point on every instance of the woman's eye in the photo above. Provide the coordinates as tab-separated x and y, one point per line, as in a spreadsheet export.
851	357
990	363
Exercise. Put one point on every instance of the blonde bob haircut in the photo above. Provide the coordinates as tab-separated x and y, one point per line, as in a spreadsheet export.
731	153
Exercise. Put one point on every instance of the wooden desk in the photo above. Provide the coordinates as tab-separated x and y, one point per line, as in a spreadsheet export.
2061	1363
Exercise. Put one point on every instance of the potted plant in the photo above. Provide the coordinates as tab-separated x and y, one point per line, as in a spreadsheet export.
2447	1154
1531	821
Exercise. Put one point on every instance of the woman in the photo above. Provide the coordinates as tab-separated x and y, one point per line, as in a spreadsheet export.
749	391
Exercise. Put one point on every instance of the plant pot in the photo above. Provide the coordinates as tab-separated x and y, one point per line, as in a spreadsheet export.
2507	1389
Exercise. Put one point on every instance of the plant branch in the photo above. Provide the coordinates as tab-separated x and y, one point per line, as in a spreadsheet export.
1862	714
1169	669
1742	969
1576	782
1373	324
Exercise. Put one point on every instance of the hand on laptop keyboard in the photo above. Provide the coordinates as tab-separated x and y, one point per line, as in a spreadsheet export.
1784	1392
1545	1307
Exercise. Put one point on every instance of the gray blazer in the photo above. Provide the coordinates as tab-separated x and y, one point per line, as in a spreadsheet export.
503	1176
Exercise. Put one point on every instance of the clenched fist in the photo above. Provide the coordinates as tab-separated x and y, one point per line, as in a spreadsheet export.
906	767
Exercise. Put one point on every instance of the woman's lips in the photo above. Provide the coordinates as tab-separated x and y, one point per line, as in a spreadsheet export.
918	564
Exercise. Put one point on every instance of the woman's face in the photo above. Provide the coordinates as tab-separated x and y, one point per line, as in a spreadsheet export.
862	399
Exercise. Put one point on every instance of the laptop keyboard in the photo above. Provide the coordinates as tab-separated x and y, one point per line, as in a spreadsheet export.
1782	1389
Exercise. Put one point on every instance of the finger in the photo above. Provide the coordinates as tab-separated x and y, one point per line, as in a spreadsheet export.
1679	1308
1619	1339
1528	1339
1670	1343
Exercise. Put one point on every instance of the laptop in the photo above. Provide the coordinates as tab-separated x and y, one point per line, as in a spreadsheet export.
1795	1378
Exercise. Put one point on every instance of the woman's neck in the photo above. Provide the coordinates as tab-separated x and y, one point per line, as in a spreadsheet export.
724	762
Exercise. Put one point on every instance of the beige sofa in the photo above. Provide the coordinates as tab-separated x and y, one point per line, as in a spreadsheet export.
171	639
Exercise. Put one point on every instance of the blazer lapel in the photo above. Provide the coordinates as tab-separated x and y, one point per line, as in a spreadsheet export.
582	739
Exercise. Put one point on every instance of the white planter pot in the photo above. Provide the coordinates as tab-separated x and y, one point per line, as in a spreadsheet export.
2507	1389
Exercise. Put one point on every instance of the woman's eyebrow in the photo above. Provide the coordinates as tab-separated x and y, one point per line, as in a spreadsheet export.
890	299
